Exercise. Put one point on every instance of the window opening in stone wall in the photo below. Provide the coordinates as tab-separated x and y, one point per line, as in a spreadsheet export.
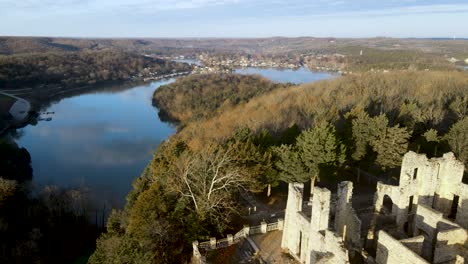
453	210
387	205
300	244
410	204
406	227
435	200
415	173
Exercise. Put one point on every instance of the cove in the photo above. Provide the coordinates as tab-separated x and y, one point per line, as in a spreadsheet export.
101	141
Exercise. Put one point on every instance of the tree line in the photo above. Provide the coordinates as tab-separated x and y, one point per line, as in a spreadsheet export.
68	69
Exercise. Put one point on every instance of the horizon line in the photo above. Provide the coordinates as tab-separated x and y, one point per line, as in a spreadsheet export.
232	37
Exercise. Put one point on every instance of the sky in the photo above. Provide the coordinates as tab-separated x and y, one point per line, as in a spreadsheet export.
234	18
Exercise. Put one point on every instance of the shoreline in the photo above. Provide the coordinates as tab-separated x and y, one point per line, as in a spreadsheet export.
42	97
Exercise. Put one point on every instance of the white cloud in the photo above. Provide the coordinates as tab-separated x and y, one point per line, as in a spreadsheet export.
199	18
324	7
102	5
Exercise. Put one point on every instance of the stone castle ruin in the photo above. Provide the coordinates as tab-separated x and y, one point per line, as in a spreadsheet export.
422	220
306	232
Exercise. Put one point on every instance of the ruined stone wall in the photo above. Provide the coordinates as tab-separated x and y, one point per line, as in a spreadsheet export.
428	222
391	251
328	248
317	242
323	242
450	176
415	244
298	228
309	238
347	224
462	211
450	244
432	182
382	190
418	178
292	226
320	209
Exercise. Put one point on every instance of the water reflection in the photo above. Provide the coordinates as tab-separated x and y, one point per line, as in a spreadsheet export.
100	140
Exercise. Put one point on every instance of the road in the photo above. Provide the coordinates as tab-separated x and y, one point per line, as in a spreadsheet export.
20	108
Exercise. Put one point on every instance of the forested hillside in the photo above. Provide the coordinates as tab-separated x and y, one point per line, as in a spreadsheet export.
417	100
201	96
310	132
397	59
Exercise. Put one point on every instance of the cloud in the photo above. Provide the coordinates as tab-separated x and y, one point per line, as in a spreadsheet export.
106	5
276	7
231	18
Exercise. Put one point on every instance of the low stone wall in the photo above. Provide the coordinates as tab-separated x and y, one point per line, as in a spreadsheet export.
414	243
451	245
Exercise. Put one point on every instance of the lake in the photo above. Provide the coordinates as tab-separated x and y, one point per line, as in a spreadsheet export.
298	76
102	141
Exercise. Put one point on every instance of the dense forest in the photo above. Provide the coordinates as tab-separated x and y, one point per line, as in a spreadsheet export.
79	68
417	100
316	132
201	96
374	59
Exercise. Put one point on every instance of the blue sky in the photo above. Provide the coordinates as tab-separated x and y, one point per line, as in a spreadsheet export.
234	18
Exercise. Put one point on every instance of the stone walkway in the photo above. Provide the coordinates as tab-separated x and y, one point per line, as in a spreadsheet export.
270	248
267	209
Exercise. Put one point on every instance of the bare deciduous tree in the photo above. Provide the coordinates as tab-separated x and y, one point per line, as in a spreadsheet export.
209	179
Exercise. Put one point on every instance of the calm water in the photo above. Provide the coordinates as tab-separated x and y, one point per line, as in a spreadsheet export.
100	141
103	140
301	75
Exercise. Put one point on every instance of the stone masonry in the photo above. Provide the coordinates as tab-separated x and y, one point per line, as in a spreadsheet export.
306	234
425	219
422	220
